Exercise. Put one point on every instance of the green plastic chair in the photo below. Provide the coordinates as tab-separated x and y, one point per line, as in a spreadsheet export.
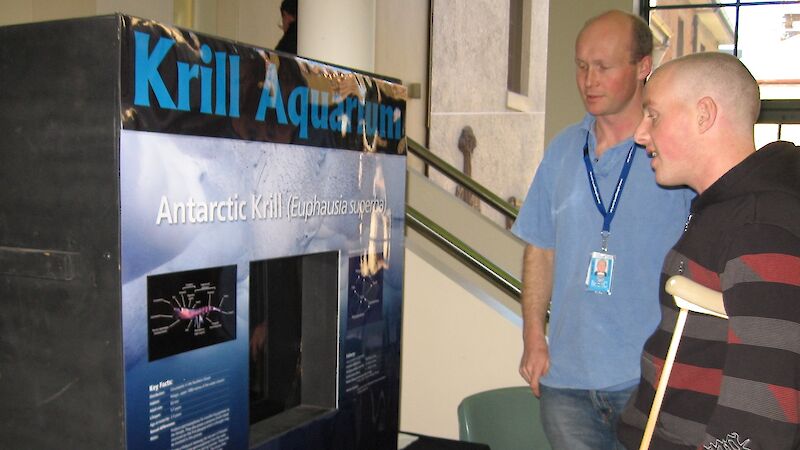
504	418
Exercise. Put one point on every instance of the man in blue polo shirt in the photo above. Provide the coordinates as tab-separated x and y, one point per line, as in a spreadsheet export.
597	227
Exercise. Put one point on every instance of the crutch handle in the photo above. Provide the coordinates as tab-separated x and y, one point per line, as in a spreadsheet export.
695	297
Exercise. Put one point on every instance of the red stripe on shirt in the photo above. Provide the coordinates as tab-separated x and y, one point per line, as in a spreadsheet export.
691	378
775	267
707	278
733	338
788	399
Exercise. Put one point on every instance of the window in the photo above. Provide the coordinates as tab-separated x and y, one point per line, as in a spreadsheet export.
765	35
515	46
779	119
519	54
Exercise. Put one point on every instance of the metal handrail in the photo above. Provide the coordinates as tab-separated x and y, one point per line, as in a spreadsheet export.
489	197
463	252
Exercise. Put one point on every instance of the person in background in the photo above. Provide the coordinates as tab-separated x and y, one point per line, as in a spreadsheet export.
735	383
288	43
594	203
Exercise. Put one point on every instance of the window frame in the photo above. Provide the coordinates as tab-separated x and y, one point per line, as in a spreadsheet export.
773	111
645	8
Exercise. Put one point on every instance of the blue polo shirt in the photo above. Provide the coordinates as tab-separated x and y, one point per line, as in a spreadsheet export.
595	340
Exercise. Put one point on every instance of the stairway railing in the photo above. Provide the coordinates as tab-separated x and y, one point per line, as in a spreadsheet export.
489	197
450	243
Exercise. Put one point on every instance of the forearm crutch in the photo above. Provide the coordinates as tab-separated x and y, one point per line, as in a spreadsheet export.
689	296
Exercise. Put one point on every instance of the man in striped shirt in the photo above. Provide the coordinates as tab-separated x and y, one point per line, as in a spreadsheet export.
735	383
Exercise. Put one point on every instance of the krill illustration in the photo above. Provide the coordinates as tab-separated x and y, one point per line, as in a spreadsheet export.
194	306
364	294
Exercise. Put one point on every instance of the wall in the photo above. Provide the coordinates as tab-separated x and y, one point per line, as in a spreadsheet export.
469	69
251	21
254	22
341	32
401	51
22	11
454	345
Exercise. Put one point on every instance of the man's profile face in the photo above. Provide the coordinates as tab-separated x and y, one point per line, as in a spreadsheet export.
606	77
665	129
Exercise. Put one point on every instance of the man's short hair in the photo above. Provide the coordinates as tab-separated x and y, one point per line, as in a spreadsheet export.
642	43
724	77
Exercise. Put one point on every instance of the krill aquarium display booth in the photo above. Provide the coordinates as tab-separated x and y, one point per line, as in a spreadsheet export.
201	243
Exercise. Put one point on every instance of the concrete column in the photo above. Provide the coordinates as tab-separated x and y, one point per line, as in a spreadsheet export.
340	32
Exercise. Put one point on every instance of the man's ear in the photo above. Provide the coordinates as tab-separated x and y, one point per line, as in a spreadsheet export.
706	114
645	66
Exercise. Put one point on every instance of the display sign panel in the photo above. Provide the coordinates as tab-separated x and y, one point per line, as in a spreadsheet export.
181	82
196	211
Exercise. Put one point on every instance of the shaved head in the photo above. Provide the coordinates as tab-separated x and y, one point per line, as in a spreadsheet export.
719	76
699	112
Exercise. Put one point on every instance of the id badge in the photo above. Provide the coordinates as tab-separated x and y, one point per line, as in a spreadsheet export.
599	273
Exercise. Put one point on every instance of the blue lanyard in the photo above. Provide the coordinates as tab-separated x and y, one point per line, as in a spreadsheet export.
608	215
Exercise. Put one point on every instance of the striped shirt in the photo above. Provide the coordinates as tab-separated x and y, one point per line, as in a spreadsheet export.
735	383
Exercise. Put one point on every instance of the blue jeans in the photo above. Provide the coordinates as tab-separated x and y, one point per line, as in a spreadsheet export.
575	419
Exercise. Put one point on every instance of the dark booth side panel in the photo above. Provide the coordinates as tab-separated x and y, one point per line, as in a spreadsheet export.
60	337
68	127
